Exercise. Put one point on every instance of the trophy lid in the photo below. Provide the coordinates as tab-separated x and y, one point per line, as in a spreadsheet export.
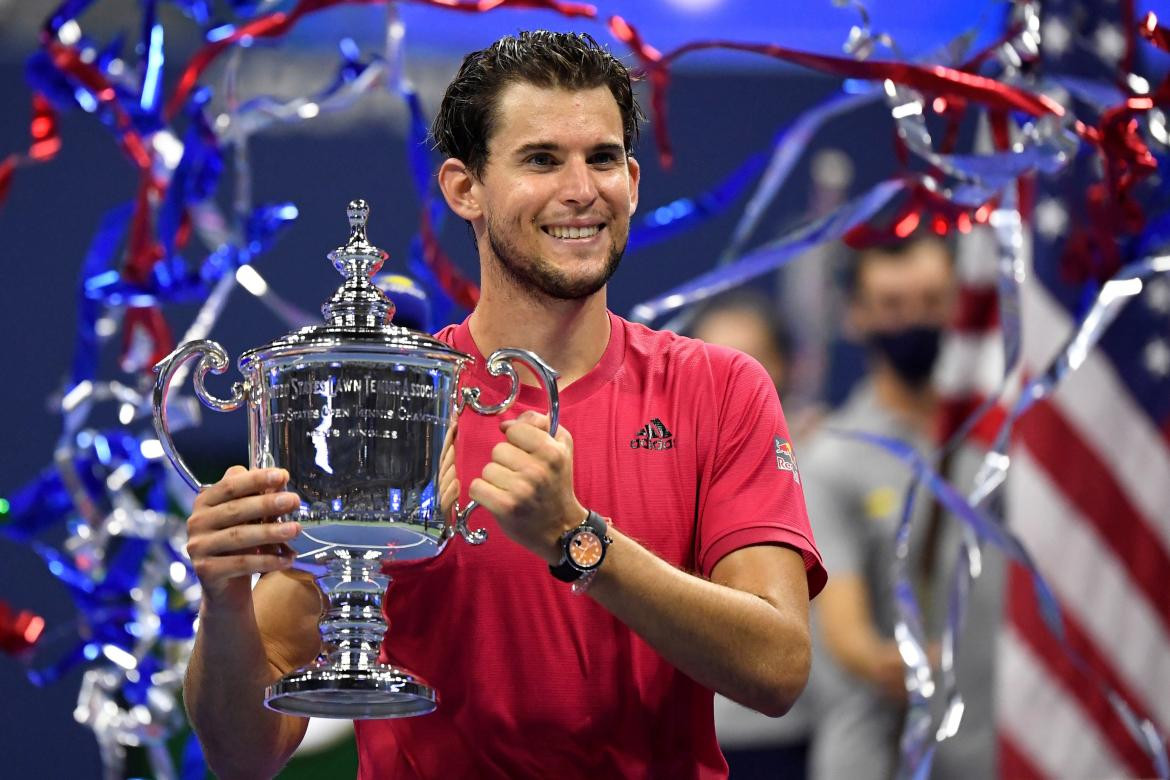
359	314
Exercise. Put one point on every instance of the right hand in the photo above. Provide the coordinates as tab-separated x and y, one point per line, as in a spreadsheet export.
227	538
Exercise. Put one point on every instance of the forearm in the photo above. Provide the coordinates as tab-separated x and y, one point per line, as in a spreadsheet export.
733	642
224	692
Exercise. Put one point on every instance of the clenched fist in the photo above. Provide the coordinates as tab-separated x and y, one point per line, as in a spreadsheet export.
528	485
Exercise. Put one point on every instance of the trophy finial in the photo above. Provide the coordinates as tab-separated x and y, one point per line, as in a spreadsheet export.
358	212
358	300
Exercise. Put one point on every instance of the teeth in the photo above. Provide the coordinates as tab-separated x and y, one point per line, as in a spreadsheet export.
558	231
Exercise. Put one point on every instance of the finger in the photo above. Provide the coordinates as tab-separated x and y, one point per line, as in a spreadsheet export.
448	457
510	456
240	539
529	438
530	417
449	497
490	497
504	478
242	483
227	567
240	511
564	437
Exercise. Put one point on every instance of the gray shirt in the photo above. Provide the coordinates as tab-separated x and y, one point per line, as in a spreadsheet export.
855	493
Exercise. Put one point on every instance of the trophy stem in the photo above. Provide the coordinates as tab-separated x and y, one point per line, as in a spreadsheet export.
352	626
347	680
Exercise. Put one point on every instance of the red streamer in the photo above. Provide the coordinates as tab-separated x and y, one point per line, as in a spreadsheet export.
19	631
948	83
1154	33
46	142
461	289
280	22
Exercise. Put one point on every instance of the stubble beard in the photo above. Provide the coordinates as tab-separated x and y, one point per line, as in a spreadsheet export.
534	273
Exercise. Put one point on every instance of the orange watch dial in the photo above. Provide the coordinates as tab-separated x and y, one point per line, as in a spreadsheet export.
586	550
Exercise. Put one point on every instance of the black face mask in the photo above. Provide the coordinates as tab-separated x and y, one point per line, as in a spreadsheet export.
911	352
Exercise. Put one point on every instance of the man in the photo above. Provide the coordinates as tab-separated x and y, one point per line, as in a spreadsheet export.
668	448
901	296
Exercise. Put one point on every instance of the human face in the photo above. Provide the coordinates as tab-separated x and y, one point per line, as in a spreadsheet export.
899	292
557	190
744	330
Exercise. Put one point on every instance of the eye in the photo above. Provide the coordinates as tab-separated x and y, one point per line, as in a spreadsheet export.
541	160
603	158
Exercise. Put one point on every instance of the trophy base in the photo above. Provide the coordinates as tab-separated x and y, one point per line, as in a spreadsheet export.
352	694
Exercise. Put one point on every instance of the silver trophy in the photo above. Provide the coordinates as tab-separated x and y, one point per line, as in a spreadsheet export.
356	410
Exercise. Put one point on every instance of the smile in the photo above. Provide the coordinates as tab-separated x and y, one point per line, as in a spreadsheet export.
566	232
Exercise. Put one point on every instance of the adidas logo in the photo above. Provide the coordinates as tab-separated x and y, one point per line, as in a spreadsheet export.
653	436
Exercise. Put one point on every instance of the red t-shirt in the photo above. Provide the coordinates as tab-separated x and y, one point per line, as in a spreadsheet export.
684	446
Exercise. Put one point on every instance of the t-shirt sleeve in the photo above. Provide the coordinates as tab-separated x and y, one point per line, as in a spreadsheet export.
754	494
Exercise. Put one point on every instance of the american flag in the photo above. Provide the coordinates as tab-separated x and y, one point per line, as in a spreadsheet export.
1089	487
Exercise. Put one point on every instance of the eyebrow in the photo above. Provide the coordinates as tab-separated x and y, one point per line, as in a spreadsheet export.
551	146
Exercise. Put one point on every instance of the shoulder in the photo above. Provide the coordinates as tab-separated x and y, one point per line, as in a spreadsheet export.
447	334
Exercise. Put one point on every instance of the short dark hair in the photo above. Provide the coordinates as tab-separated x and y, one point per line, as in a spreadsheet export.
467	117
895	249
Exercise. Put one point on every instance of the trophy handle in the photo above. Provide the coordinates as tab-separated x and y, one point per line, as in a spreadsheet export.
213	359
500	362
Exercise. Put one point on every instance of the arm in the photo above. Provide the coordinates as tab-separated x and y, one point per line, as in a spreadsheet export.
744	633
848	627
246	639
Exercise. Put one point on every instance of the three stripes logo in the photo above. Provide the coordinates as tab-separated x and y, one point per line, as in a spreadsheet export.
653	436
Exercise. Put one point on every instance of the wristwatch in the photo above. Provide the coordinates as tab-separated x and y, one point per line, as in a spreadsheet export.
582	550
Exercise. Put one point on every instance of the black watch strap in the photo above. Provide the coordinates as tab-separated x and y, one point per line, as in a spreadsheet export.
565	571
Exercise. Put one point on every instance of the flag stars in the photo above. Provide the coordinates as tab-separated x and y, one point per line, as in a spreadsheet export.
1055	36
1109	42
1157	357
1158	295
1051	218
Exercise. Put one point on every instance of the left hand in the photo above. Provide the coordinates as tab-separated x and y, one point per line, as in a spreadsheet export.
528	485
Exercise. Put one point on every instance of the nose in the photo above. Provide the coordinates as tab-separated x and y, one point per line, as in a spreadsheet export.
577	185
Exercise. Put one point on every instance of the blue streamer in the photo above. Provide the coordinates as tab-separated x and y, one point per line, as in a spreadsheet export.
36	507
66	12
196	176
787	148
193	766
684	213
773	254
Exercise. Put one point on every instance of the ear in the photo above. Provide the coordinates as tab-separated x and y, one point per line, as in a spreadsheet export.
635	176
458	186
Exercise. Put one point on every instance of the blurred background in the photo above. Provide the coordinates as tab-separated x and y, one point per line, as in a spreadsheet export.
723	108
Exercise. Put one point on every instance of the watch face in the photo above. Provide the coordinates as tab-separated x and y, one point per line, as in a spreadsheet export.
585	549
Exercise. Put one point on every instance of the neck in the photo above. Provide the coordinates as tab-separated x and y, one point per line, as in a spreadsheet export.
571	336
915	405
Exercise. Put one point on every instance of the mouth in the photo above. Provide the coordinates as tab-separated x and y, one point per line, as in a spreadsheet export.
574	233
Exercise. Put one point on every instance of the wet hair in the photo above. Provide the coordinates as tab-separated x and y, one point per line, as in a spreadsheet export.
898	249
468	114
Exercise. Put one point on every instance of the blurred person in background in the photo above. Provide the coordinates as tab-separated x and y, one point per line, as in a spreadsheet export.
754	745
901	297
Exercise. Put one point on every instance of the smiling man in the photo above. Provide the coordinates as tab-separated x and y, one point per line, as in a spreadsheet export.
656	549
